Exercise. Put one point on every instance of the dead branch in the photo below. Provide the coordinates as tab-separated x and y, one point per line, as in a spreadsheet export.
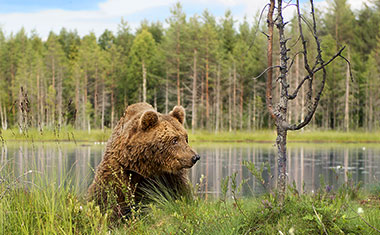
349	66
293	59
270	59
269	68
295	93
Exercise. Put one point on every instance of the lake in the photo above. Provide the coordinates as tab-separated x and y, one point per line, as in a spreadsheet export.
74	163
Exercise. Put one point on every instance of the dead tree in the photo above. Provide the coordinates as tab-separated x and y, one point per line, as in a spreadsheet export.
279	112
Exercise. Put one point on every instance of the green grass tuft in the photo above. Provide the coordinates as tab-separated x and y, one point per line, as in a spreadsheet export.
70	134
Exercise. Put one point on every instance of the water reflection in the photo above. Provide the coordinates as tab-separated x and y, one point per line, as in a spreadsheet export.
74	164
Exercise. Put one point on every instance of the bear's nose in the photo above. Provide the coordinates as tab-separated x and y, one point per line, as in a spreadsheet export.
195	158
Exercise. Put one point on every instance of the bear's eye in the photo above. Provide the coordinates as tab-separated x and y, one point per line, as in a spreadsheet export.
175	140
187	139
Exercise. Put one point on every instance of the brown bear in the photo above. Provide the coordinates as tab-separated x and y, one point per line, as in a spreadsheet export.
144	146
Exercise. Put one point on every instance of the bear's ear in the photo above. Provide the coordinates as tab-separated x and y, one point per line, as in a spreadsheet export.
148	120
178	112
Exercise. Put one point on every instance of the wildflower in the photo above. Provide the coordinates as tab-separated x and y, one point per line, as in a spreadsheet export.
328	188
360	210
291	231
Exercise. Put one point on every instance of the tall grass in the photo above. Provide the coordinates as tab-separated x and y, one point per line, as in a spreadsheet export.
70	134
63	134
34	203
41	205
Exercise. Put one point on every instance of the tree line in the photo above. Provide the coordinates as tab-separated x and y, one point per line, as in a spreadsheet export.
214	68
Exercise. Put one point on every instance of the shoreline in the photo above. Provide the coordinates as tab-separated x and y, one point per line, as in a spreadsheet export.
261	136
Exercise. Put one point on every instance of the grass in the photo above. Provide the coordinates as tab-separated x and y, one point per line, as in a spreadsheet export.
70	134
49	207
65	134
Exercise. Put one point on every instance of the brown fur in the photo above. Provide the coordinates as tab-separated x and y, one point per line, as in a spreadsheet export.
144	145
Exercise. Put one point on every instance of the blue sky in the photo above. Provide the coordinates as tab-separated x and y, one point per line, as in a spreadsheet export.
97	15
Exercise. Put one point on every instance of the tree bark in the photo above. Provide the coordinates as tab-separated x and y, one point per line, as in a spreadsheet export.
2	115
59	94
207	99
347	96
85	102
268	95
38	99
241	105
167	94
103	103
230	103
144	81
281	110
194	94
53	85
112	99
178	71
296	113
77	97
217	111
234	98
254	106
96	96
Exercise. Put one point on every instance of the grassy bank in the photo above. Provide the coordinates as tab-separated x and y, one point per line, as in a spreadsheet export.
51	208
68	134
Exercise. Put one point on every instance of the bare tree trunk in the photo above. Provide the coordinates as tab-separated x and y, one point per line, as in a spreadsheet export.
53	85
207	99
20	111
60	99
268	95
103	103
167	94
85	102
5	118
249	119
346	104
2	115
202	115
178	77
38	99
254	105
96	96
112	100
241	105
217	100
155	99
370	107
296	114
144	81
234	121
230	103
194	95
281	110
77	98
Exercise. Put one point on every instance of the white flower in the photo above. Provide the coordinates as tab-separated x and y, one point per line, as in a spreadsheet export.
291	231
360	210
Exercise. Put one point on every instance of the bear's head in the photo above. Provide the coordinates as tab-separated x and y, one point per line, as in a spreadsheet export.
164	142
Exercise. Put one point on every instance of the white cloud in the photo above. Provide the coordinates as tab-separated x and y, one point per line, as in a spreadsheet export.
109	13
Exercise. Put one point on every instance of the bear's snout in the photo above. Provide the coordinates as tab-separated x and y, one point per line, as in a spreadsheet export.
195	158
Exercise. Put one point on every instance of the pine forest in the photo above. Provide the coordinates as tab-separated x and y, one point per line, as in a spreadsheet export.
213	67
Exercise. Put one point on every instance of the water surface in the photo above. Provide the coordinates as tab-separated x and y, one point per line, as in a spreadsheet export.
74	164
